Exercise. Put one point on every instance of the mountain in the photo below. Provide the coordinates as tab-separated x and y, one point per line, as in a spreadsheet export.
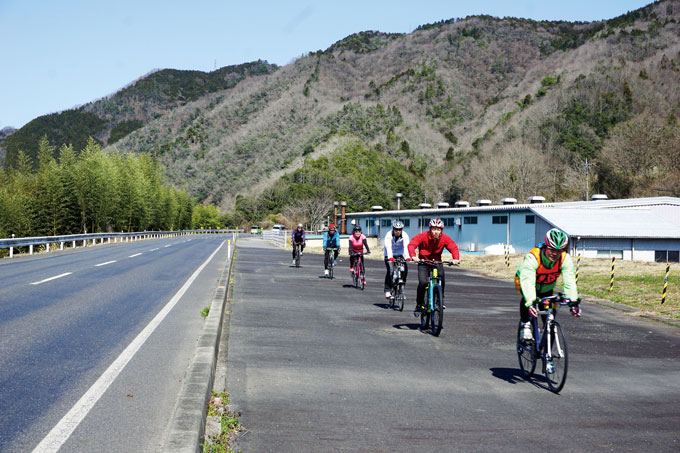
479	107
109	119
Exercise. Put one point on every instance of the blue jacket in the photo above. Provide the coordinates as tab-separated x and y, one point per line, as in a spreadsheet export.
333	241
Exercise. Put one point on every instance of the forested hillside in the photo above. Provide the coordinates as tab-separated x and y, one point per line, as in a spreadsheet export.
469	108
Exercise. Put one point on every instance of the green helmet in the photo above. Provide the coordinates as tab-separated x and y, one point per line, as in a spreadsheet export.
556	239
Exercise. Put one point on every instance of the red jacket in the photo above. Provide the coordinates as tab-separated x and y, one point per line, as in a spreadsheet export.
430	248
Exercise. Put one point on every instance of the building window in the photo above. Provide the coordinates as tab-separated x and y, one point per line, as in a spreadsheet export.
386	223
610	254
667	256
450	222
423	222
407	222
368	223
530	219
471	220
499	219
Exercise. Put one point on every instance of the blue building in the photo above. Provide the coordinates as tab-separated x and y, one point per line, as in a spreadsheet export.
644	229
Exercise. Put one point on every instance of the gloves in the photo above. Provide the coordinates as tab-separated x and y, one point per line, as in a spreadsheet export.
392	260
408	259
532	312
575	311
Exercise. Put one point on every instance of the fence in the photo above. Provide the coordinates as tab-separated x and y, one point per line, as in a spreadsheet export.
92	238
277	237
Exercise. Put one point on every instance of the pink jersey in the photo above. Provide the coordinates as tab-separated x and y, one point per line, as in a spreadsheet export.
356	245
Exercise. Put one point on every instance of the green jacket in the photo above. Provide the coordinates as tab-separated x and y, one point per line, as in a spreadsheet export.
527	278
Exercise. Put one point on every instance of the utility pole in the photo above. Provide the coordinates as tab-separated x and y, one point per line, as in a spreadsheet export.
587	182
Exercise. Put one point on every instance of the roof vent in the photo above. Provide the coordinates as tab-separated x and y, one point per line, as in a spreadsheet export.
462	204
599	196
442	205
376	208
536	199
483	202
425	206
508	201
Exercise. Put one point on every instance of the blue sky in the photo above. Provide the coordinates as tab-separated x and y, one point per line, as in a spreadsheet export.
56	55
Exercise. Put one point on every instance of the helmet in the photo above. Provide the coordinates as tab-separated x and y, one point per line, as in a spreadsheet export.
331	226
398	225
437	223
356	228
556	239
299	225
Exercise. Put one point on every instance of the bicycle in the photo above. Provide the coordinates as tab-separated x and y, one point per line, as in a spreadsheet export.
359	272
297	254
330	252
397	297
432	315
550	346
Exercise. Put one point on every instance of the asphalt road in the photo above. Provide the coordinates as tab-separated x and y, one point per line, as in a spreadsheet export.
59	336
315	365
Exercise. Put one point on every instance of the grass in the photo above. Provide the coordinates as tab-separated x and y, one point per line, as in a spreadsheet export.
229	424
205	312
636	284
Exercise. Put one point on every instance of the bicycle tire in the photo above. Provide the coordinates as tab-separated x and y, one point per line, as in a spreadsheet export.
526	352
362	276
330	267
560	358
297	256
400	298
437	320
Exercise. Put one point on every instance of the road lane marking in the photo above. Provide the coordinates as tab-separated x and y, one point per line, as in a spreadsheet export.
167	245
52	278
63	430
136	254
153	250
104	264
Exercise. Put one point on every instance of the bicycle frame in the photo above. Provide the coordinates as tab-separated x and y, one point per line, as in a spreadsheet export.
435	281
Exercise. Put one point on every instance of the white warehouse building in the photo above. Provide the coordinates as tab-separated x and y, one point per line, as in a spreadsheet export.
642	229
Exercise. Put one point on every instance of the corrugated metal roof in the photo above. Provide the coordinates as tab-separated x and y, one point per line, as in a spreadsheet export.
609	223
446	211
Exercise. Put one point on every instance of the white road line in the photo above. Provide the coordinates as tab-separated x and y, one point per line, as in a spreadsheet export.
167	245
63	430
136	254
52	278
104	264
153	250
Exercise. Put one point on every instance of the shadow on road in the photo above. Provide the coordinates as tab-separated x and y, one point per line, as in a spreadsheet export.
407	326
511	375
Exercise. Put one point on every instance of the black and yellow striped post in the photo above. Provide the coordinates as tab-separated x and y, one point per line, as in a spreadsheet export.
611	280
665	284
578	265
507	255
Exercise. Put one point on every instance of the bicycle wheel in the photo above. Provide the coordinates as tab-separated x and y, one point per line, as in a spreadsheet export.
330	267
526	352
362	275
400	298
557	373
297	256
438	312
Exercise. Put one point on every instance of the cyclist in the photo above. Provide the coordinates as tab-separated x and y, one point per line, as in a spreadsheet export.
396	246
331	240
430	245
298	236
357	242
538	273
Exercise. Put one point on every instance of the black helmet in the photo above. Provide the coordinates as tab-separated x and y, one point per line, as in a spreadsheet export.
356	228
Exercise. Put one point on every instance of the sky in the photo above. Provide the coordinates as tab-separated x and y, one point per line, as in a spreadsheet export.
56	55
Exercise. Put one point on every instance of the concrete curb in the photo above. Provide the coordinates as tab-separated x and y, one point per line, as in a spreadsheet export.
188	421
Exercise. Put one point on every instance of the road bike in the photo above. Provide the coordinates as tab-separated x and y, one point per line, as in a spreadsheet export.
432	315
330	253
359	272
397	295
550	346
297	254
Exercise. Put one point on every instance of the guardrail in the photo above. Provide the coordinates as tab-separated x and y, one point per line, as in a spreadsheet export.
277	237
92	238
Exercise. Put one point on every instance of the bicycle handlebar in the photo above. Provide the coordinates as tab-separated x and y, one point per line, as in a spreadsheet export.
434	263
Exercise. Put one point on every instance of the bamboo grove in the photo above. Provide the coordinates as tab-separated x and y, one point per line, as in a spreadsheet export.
88	192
